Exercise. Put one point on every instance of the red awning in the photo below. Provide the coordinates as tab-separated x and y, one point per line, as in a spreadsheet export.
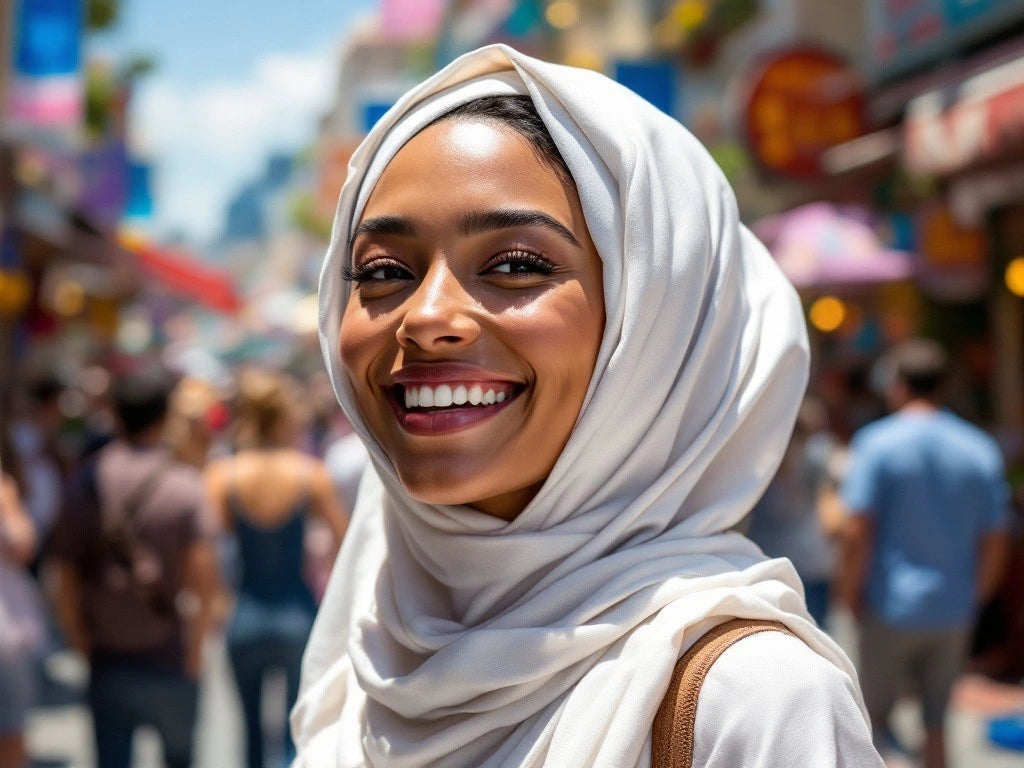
985	119
184	275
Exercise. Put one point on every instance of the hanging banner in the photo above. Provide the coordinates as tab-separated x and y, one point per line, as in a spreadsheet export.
46	85
906	34
104	172
653	80
799	103
408	20
139	204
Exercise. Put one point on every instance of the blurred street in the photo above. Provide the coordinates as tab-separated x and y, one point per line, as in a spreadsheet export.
60	737
174	463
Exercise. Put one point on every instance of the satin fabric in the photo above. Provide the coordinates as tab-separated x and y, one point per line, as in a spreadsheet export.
450	638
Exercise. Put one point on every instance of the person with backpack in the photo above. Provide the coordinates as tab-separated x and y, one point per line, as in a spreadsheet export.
137	577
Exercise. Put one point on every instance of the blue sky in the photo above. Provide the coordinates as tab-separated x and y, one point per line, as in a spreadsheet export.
235	80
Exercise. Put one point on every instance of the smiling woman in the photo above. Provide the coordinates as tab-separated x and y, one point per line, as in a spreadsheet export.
575	371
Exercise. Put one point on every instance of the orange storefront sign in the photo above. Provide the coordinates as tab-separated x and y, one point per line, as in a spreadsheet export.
800	103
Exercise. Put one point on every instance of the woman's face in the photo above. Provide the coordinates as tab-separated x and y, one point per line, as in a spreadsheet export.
475	316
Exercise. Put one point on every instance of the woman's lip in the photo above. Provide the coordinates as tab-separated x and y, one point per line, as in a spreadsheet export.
445	420
446	373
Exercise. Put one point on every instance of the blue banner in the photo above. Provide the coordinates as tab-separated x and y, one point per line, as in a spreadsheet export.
372	112
140	196
654	80
48	37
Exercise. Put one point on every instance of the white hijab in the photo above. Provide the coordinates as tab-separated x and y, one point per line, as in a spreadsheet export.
450	638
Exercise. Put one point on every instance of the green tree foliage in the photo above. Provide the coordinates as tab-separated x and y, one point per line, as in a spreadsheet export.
101	14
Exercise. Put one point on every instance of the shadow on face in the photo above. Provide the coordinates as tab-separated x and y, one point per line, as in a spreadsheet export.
475	316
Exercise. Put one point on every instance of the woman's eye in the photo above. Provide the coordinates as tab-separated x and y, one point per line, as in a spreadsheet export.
521	263
387	273
376	272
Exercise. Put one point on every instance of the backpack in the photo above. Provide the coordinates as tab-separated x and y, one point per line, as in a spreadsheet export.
116	556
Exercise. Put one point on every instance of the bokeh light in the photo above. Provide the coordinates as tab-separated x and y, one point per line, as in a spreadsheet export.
827	313
562	14
1015	276
68	298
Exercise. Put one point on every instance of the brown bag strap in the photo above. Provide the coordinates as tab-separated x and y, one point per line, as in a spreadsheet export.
672	737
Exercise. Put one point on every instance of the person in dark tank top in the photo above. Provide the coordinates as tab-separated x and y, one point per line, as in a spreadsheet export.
266	494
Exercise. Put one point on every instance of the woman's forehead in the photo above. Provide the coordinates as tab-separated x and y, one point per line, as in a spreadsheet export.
478	163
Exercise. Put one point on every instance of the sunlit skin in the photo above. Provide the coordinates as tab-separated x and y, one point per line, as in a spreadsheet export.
472	262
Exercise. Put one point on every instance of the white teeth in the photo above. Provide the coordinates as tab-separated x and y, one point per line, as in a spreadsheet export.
426	397
442	396
445	396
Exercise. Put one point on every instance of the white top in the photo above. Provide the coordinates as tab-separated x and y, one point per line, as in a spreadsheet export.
767	696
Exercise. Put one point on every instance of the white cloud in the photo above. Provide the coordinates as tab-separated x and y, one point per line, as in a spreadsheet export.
207	140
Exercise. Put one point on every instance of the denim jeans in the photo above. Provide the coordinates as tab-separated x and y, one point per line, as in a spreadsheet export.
251	661
124	696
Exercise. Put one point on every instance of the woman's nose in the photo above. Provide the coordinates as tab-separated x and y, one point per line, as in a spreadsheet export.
438	314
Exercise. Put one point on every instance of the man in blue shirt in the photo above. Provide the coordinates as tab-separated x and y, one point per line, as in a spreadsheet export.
924	543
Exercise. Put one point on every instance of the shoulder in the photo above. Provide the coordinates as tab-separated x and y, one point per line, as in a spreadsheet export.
876	434
771	700
974	438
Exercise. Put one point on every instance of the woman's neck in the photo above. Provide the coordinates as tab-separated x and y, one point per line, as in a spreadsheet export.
507	506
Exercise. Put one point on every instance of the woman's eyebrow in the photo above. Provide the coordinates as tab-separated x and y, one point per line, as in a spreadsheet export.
385	225
485	221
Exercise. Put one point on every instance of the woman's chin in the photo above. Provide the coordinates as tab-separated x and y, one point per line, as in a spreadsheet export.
442	487
447	486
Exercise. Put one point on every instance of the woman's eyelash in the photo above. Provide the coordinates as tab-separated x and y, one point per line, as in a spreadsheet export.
363	272
535	261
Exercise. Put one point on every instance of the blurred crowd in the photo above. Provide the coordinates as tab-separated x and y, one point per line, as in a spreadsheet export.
170	510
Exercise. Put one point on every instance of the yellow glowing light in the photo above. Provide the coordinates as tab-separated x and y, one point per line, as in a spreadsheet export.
827	313
131	239
15	290
689	14
1015	276
562	14
68	298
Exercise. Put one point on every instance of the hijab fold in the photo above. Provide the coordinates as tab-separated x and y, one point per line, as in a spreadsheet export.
450	638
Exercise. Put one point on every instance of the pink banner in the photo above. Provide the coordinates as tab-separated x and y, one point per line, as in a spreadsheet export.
52	102
411	19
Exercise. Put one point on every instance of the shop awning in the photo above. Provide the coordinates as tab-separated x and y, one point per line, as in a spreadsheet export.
184	275
823	246
981	118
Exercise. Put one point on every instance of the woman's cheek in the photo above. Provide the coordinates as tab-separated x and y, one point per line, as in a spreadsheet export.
359	339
